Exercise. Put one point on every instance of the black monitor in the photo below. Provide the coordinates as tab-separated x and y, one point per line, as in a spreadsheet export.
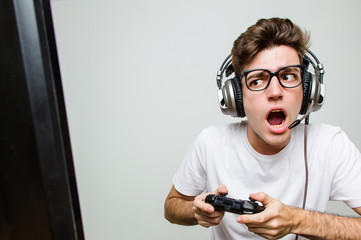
38	191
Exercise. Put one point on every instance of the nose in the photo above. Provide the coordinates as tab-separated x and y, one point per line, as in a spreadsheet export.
275	89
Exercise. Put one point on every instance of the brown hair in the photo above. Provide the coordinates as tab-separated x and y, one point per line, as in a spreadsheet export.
267	33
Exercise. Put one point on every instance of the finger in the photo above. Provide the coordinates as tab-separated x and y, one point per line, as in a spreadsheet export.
257	218
259	230
262	197
215	214
209	219
205	224
199	203
221	189
266	233
209	222
268	236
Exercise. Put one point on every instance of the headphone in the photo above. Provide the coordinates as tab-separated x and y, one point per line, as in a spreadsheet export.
230	93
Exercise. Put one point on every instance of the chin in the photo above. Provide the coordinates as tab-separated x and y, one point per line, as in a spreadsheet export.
278	141
266	141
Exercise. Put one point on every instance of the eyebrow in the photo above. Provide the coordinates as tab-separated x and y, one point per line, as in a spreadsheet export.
261	72
290	69
287	67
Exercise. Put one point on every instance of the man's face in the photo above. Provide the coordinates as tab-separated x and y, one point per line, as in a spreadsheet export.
272	110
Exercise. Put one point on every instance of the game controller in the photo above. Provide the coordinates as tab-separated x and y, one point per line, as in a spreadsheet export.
222	203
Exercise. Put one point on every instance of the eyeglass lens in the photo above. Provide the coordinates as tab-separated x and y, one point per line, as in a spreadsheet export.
288	77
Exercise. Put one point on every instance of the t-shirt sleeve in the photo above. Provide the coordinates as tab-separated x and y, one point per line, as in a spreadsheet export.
346	164
190	178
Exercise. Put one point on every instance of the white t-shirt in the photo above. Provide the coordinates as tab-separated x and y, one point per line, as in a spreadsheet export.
223	155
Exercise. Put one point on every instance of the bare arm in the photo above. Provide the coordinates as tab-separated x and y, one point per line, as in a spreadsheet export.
278	220
190	210
316	225
178	208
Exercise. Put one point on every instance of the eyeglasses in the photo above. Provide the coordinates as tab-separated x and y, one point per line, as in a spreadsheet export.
288	77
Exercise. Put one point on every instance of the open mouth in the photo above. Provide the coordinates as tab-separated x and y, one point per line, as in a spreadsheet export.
276	118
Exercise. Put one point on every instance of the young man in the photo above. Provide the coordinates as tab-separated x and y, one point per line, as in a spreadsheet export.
261	158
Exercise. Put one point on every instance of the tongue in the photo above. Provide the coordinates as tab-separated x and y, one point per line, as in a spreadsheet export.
275	118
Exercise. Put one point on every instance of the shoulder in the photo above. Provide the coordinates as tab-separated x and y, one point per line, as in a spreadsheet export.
324	127
323	130
223	130
220	134
330	138
321	136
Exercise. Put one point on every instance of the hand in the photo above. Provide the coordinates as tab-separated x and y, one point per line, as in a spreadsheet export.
274	222
204	212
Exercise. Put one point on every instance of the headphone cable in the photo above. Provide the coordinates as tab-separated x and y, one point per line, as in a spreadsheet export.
307	121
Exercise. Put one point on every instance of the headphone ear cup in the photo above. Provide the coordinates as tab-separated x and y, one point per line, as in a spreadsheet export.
226	99
237	87
307	86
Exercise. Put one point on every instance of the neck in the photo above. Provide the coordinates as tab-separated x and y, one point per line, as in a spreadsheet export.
272	145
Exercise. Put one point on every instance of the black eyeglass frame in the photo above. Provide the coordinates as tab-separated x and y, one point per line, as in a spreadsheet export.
245	73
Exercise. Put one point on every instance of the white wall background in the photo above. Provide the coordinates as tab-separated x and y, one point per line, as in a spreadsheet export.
139	83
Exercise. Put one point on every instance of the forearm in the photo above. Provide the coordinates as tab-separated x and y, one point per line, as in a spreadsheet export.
179	211
315	225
